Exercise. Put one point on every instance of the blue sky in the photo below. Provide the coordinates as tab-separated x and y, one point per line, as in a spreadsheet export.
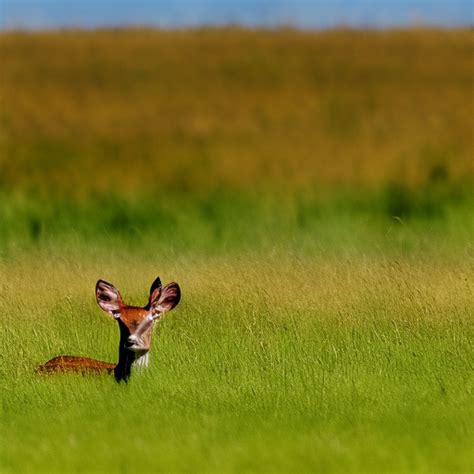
180	13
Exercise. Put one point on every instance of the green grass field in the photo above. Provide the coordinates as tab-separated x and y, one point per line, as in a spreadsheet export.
325	259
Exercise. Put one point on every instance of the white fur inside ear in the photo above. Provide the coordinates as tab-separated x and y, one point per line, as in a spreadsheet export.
142	361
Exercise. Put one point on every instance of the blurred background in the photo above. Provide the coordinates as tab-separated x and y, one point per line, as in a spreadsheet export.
206	125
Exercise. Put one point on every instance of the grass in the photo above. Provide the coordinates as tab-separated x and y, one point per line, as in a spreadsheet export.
312	195
193	110
275	365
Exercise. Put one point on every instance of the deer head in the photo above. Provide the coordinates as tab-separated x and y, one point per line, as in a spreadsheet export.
136	323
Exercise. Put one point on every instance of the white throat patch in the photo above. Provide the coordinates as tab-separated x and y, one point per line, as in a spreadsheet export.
141	361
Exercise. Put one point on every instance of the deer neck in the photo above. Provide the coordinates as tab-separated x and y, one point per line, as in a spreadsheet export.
123	368
127	358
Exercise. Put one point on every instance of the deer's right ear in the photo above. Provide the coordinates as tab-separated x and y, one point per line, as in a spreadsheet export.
108	298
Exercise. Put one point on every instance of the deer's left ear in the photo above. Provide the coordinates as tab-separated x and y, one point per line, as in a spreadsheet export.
166	300
108	297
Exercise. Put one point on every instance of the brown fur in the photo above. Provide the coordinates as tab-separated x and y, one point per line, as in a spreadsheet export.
83	365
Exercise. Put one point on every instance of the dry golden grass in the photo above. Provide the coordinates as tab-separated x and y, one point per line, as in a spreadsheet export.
193	110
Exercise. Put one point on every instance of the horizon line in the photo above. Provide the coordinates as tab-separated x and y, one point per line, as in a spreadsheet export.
342	26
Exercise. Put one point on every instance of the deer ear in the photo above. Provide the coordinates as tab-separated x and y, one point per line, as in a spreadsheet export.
108	297
156	284
155	292
154	297
167	300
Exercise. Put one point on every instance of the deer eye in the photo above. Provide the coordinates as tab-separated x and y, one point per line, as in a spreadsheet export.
116	314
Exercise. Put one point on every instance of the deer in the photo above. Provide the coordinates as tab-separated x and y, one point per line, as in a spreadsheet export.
135	324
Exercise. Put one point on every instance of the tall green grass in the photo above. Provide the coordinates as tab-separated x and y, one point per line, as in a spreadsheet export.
312	335
268	365
394	220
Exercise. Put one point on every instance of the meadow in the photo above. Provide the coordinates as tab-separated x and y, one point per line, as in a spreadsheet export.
312	195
